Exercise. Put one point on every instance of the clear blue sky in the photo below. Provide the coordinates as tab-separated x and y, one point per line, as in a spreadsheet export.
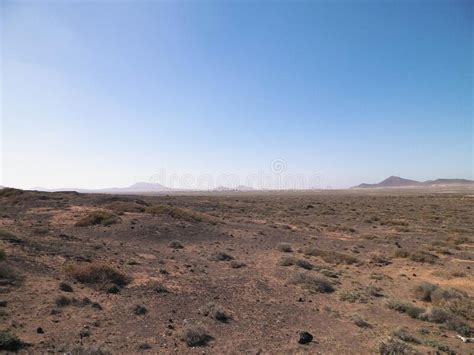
106	93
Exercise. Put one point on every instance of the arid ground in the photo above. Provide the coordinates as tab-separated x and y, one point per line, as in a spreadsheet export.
386	271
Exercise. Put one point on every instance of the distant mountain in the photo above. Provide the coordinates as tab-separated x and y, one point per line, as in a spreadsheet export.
139	187
396	181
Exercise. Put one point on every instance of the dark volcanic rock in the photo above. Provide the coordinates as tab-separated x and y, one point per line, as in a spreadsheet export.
305	338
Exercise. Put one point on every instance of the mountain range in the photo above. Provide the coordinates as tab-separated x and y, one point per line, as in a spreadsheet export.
139	187
396	181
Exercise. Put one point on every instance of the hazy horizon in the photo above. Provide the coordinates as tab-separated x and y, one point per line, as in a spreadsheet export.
106	94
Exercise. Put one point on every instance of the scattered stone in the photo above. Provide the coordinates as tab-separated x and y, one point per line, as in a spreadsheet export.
3	303
39	330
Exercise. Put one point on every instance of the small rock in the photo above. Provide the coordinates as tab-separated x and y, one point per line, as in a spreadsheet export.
3	303
305	338
39	330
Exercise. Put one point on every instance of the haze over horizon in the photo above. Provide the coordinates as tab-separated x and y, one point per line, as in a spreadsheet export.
105	94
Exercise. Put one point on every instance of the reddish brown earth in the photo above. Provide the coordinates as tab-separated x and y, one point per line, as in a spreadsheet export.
365	246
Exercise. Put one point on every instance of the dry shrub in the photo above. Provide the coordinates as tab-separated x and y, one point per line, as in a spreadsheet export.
221	256
353	296
195	335
424	290
403	333
393	346
97	217
284	247
360	322
181	214
121	207
215	311
9	275
290	261
99	275
423	257
9	342
401	253
330	256
451	299
9	236
412	310
175	244
441	316
235	264
313	283
419	256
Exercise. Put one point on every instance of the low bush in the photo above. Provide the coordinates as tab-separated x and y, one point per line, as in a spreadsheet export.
284	247
99	275
330	256
195	335
9	275
235	264
181	214
392	346
412	310
214	311
424	290
423	257
312	283
403	333
9	342
175	244
221	256
9	236
360	322
353	296
97	217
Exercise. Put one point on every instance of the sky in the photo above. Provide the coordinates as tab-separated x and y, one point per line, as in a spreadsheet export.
107	93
